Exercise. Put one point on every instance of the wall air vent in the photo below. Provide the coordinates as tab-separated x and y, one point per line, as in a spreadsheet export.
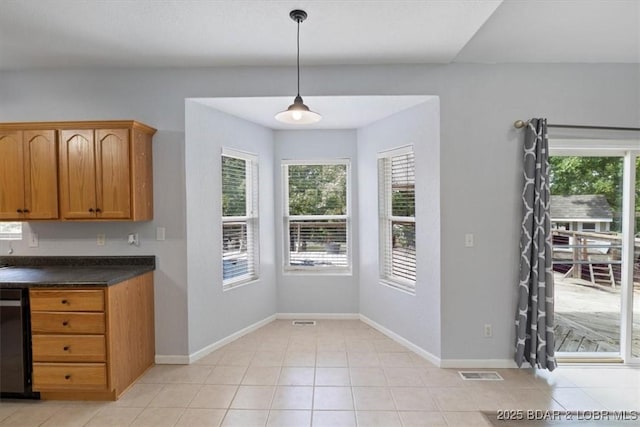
304	323
480	375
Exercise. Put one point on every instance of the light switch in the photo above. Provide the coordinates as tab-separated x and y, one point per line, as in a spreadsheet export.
160	233
100	240
33	240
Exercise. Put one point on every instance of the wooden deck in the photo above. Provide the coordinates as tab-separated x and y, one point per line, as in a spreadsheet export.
588	317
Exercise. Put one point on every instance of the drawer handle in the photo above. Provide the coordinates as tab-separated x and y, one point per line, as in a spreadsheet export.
65	323
66	348
64	301
67	377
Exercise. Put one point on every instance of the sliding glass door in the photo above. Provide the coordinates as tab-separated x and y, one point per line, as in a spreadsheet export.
633	352
596	252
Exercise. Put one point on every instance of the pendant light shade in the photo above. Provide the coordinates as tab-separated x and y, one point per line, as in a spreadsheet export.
298	112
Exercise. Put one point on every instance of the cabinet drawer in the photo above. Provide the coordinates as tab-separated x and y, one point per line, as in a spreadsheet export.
69	375
68	348
66	300
67	323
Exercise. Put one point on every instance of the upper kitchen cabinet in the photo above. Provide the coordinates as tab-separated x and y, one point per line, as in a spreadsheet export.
76	171
28	174
106	172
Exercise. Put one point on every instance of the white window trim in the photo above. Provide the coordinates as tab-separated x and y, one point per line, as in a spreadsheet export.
252	220
397	283
288	269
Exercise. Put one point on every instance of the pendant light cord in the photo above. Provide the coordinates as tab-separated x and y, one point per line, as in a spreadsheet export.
298	57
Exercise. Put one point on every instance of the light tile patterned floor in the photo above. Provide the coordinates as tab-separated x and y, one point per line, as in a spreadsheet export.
337	373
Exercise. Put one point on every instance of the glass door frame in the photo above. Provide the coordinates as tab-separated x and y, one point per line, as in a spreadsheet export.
628	150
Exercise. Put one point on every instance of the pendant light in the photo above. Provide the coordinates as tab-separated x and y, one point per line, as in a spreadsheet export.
298	113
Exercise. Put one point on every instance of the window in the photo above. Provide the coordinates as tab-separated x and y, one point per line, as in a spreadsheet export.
10	230
588	226
316	215
397	213
240	246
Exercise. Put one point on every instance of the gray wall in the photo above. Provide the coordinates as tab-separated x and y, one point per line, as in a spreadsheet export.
214	314
480	163
316	293
414	317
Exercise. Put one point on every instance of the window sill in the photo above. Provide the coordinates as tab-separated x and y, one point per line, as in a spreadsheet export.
240	284
397	287
316	272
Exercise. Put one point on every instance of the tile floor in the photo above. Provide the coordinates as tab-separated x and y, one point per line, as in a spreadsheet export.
337	373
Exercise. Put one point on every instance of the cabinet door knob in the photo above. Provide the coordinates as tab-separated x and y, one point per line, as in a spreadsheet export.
19	211
91	210
64	301
66	348
98	210
26	211
67	377
65	323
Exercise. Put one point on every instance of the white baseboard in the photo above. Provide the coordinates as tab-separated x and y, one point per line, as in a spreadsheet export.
186	360
441	363
478	363
171	360
317	316
402	341
226	340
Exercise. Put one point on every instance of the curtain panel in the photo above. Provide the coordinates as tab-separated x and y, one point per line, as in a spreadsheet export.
534	318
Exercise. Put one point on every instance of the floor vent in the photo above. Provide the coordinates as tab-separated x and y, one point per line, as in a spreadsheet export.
480	375
304	323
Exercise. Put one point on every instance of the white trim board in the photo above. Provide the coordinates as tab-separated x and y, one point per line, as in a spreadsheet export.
441	363
479	363
193	357
317	316
402	341
164	359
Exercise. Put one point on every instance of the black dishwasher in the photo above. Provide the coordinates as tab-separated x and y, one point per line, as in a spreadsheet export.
15	345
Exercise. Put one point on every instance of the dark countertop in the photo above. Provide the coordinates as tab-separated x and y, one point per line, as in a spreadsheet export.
27	272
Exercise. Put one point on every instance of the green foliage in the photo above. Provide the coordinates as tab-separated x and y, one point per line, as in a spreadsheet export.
234	185
317	189
592	175
403	202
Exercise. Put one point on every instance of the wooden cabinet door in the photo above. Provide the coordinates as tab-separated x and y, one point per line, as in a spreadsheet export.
113	173
77	174
11	175
40	175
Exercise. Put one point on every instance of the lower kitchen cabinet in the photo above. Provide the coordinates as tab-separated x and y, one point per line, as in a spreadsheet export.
91	343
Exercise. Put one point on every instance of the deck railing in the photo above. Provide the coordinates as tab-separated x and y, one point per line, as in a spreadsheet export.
592	256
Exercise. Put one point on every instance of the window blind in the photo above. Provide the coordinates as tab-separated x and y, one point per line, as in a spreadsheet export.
396	202
239	218
316	215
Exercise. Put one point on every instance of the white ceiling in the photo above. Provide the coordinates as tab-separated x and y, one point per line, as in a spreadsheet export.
558	31
338	112
168	33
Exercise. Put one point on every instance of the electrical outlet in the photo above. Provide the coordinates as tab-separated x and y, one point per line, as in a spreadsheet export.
133	239
33	240
468	240
488	330
101	239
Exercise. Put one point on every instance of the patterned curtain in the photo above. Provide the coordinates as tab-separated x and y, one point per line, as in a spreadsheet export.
534	319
